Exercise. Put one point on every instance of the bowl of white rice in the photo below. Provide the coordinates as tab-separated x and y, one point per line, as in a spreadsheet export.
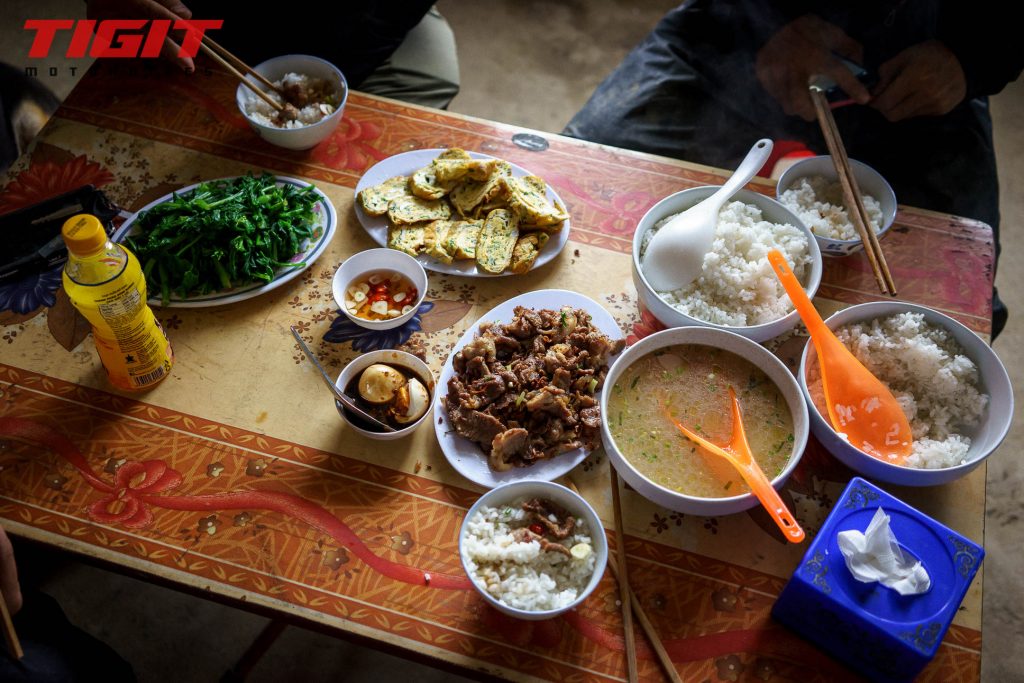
951	385
515	568
810	188
317	88
737	290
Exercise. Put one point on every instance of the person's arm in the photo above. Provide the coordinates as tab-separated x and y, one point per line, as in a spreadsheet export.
923	80
985	38
805	47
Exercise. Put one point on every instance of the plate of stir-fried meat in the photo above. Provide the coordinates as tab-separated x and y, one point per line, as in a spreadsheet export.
520	390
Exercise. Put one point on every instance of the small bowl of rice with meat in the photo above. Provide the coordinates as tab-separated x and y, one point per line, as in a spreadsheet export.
951	385
533	549
314	96
810	188
737	289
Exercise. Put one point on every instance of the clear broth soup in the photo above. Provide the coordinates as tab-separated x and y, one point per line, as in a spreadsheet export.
692	382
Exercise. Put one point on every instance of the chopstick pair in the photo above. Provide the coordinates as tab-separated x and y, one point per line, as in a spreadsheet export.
236	67
851	191
232	63
630	603
10	635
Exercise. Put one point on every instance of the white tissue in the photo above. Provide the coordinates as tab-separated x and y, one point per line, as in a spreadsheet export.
876	556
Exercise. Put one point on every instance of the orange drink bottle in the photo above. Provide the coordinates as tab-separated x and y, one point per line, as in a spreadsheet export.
105	283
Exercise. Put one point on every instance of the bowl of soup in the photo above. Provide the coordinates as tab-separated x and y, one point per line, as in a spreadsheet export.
684	375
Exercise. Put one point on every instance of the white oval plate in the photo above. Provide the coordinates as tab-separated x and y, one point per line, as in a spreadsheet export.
322	235
408	163
464	455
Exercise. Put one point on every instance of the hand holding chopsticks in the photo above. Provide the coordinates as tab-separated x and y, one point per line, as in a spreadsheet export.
222	56
851	191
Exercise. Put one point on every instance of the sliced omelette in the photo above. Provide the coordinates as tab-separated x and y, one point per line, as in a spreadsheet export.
407	238
408	209
462	239
375	200
424	184
497	241
450	170
470	194
527	249
527	197
435	240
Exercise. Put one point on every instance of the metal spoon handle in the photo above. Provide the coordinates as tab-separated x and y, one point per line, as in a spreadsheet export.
338	393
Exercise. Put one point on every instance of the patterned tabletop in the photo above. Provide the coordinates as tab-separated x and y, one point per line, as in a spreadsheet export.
236	476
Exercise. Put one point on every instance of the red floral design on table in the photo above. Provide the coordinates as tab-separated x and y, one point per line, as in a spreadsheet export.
46	179
647	326
132	482
349	146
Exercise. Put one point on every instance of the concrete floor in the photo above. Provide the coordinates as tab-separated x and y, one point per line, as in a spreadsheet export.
555	54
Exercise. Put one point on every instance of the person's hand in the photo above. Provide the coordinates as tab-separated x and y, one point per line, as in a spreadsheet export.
804	48
9	575
146	9
923	80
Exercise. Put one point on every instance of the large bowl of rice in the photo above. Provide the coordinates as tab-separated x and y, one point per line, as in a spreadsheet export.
951	384
314	121
520	578
737	290
810	188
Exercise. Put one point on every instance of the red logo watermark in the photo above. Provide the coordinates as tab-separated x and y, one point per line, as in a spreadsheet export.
118	37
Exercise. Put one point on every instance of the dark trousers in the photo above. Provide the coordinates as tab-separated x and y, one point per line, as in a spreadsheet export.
659	100
57	651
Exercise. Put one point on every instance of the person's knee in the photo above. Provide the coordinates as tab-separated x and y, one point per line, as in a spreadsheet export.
424	69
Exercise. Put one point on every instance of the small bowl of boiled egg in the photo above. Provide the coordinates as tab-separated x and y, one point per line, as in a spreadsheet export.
380	289
393	386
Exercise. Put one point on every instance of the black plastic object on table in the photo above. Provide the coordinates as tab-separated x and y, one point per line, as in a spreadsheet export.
31	236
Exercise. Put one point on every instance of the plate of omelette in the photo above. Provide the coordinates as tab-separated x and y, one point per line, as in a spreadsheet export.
462	213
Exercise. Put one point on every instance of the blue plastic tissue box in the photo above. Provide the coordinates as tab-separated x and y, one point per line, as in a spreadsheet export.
871	628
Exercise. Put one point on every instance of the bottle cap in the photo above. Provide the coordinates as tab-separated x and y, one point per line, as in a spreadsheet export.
84	234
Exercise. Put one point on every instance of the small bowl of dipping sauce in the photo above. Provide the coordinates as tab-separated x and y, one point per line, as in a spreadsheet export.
380	289
395	387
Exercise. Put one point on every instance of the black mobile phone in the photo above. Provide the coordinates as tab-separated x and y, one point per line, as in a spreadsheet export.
869	79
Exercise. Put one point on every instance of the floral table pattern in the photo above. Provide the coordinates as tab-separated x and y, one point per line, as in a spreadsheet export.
236	474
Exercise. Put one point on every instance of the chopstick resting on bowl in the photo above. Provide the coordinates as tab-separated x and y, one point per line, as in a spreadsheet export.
851	191
240	76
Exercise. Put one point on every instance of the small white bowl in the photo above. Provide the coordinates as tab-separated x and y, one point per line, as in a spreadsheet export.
732	343
275	69
771	211
390	357
371	260
572	502
985	437
868	179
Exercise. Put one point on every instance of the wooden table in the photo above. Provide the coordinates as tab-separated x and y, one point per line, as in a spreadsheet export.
236	476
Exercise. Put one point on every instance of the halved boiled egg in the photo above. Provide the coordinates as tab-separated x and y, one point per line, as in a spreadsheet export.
379	383
411	402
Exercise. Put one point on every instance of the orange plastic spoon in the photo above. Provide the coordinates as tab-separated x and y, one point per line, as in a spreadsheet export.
738	454
859	404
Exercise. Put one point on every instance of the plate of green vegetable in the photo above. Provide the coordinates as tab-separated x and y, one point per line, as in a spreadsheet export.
227	240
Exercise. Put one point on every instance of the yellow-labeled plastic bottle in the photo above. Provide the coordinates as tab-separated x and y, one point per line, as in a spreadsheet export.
105	283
